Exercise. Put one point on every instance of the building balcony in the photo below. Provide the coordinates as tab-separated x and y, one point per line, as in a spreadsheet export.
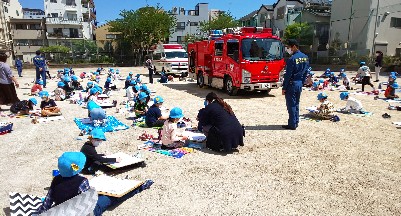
28	34
63	36
71	8
62	21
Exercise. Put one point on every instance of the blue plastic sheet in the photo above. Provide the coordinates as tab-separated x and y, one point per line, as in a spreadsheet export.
111	125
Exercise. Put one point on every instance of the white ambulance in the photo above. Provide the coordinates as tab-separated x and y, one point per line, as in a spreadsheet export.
172	57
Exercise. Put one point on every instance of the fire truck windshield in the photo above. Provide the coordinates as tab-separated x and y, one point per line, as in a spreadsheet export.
261	49
170	55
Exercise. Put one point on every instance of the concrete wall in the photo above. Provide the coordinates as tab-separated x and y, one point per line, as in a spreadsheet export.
101	39
203	16
13	10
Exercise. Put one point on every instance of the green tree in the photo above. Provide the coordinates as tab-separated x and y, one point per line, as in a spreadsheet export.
302	32
84	46
55	49
222	21
144	27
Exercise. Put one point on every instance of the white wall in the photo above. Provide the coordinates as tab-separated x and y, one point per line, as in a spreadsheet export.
282	23
14	10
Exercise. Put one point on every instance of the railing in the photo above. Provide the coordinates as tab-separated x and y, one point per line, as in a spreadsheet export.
60	20
61	35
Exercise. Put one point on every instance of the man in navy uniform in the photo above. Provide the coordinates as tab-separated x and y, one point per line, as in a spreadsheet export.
296	71
40	64
18	65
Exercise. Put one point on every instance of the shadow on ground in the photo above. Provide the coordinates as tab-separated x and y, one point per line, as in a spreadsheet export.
264	127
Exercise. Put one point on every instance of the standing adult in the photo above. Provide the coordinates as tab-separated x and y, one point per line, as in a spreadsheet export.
296	71
223	130
150	68
8	82
379	64
40	64
18	65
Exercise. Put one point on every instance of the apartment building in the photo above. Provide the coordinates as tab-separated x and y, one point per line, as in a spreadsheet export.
105	39
366	26
68	20
29	35
9	9
33	13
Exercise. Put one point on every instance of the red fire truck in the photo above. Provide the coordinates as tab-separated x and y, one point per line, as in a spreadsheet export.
249	59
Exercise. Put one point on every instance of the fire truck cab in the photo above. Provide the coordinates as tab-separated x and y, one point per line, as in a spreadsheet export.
249	59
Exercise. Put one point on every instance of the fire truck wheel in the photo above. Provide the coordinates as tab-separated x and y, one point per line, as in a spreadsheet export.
229	87
200	80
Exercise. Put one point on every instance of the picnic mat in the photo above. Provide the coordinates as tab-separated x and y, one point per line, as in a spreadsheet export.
23	204
49	119
175	153
112	124
366	114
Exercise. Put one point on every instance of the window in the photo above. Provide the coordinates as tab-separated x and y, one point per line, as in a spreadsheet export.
395	22
54	14
5	9
261	49
218	48
171	55
71	16
53	1
35	27
71	3
20	26
17	12
194	23
233	49
179	39
180	25
111	36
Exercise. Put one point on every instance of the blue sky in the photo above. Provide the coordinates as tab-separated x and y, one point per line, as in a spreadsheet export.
109	9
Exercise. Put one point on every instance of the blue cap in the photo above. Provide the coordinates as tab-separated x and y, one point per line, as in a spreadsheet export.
176	113
332	74
137	88
33	101
393	77
315	84
130	73
133	82
108	79
393	73
362	63
321	81
89	84
67	79
343	95
139	79
142	95
395	86
328	69
93	91
74	78
144	88
344	74
137	75
158	100
40	82
43	94
117	72
71	163
321	95
60	84
92	105
98	134
128	78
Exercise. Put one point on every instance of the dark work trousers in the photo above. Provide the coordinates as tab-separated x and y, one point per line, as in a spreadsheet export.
292	95
366	81
41	74
19	69
150	75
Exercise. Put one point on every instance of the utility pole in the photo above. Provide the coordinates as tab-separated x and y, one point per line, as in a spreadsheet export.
350	26
375	33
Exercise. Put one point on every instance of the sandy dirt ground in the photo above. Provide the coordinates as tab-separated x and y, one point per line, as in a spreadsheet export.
352	167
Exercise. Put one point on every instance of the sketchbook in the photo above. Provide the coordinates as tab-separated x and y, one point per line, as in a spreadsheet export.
110	186
126	160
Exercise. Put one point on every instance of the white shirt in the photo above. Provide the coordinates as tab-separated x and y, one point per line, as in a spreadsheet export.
353	104
364	71
130	93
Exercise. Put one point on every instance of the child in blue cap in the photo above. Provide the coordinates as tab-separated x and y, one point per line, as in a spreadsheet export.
76	85
326	74
353	105
48	106
144	88
141	107
391	87
23	107
37	88
169	136
326	108
132	90
95	161
364	73
154	117
69	184
128	80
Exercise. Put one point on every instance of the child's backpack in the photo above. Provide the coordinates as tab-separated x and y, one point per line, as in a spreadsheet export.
387	92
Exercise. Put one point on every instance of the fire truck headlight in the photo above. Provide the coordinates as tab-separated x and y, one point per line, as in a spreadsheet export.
281	75
246	76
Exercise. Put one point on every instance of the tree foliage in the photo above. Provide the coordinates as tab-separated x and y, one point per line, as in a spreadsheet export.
222	21
144	27
84	46
302	32
55	49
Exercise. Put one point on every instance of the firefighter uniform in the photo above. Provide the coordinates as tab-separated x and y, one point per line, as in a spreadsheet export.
40	62
296	71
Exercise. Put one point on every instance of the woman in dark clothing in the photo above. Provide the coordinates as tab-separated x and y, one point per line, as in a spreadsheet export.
8	82
225	132
379	64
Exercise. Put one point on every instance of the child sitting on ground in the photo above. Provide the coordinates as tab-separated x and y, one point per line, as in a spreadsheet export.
169	135
67	88
89	85
93	95
128	80
333	79
147	91
59	92
95	161
346	81
132	90
76	85
23	107
391	87
48	106
326	74
37	88
69	184
154	116
141	106
163	78
326	109
309	78
353	105
82	75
